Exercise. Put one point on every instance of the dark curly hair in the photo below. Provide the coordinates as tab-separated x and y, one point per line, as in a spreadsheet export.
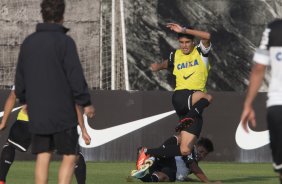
206	143
52	10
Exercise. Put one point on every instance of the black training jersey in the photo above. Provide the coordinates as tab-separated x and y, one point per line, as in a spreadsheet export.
49	79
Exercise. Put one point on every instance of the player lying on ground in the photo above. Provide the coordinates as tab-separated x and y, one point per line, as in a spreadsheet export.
176	168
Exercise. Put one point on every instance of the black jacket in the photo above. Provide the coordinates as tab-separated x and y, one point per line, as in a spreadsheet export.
50	80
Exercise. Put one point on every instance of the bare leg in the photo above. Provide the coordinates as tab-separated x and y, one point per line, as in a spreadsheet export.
42	167
187	142
66	169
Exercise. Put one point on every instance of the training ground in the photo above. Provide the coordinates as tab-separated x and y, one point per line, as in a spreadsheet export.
117	173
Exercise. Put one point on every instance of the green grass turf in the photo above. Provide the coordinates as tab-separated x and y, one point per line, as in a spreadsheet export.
116	173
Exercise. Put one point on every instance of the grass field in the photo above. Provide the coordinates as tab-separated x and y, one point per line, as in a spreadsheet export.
116	173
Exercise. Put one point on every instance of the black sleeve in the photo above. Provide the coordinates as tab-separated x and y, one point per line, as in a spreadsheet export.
75	75
19	80
170	65
188	159
201	52
272	34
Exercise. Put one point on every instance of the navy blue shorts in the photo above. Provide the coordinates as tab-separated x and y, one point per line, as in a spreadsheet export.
64	143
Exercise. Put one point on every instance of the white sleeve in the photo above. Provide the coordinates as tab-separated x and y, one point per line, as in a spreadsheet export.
262	57
204	49
262	53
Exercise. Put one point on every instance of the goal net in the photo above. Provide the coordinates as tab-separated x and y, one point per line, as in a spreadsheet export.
113	60
98	32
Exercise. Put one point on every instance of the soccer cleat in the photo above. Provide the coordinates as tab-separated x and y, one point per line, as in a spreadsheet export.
184	123
141	157
144	169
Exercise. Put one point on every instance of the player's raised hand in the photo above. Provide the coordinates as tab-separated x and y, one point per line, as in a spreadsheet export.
175	27
155	67
248	115
159	66
89	111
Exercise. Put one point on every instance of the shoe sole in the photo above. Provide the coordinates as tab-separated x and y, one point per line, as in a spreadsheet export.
141	172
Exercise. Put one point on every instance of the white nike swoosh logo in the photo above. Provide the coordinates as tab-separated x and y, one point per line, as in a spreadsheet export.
100	137
251	140
14	109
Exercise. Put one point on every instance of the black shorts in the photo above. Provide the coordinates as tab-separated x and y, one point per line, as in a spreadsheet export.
19	136
64	143
166	166
182	103
274	122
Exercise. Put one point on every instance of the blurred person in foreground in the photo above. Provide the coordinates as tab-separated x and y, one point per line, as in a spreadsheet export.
20	139
50	81
269	54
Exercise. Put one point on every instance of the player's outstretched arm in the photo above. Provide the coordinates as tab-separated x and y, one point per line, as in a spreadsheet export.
203	35
159	66
256	78
197	171
85	135
9	104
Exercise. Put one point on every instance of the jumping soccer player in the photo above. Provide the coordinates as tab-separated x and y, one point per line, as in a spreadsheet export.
190	66
50	80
